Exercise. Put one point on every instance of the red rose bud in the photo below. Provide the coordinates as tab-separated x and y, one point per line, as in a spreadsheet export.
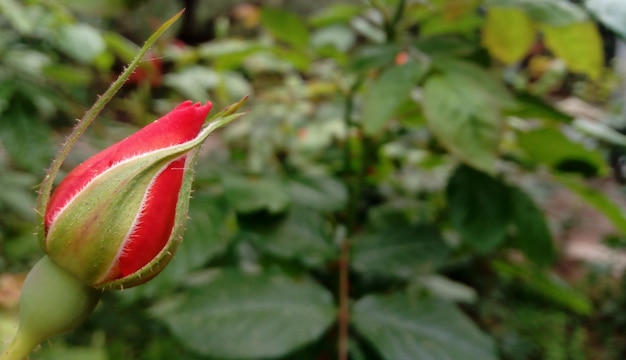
111	221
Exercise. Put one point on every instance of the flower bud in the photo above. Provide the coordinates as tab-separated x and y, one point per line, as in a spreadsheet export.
111	222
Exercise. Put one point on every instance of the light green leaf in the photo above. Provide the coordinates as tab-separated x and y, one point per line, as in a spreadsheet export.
320	193
478	206
399	250
464	115
285	26
401	328
69	353
579	45
611	13
551	147
532	234
249	194
80	41
551	12
600	131
335	14
597	199
508	34
545	285
386	93
244	316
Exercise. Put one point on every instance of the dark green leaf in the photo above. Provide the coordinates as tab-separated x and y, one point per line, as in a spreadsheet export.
374	56
399	250
386	93
611	13
401	328
302	234
285	26
244	316
248	194
25	137
479	208
532	233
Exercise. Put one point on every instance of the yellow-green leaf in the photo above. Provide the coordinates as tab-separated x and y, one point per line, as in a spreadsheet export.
508	33
579	45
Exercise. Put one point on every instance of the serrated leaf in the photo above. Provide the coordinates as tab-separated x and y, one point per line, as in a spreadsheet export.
399	250
532	234
579	45
464	118
302	234
285	26
508	34
248	194
401	328
319	193
386	93
245	317
551	12
478	207
551	147
611	13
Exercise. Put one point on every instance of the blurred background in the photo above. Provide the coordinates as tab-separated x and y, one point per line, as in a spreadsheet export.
416	179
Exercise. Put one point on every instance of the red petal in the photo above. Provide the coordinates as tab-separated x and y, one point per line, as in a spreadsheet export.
155	224
178	126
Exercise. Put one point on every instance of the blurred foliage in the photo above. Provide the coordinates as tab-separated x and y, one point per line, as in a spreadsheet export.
390	179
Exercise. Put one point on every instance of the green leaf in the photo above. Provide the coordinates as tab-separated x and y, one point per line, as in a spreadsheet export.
386	93
550	12
25	138
249	194
463	112
532	107
335	14
399	250
478	206
597	199
611	13
579	45
532	233
303	234
285	26
551	147
80	41
401	328
374	56
245	316
600	131
508	34
319	193
546	286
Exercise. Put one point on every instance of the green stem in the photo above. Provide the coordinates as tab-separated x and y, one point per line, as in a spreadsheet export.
52	302
88	118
